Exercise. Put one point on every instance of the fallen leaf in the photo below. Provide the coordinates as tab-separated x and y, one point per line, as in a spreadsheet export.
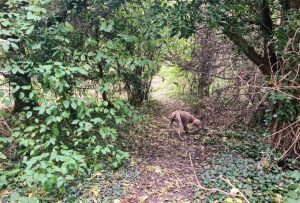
238	200
133	163
94	190
163	190
234	190
278	198
229	200
157	169
143	198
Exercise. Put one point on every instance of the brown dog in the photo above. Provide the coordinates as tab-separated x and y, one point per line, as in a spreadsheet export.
182	118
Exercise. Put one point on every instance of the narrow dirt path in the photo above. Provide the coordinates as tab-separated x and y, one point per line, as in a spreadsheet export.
167	175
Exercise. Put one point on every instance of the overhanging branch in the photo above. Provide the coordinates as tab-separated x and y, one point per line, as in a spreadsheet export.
249	51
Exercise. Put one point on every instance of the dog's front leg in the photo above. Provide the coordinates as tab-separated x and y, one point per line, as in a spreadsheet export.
180	129
186	130
179	134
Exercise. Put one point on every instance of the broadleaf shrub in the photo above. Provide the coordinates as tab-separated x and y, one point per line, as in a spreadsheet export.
56	146
67	117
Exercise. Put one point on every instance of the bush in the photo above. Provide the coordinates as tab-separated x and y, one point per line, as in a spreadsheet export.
60	141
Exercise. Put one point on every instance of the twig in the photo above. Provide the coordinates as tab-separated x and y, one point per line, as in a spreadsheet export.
229	183
277	132
4	124
212	189
292	145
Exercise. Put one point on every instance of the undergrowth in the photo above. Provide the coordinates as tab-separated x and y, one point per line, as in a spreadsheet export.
105	185
250	165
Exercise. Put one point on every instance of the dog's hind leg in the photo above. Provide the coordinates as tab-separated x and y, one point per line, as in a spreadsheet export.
180	129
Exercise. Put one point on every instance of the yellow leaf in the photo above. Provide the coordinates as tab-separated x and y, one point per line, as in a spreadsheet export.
149	168
143	198
133	163
229	200
266	165
238	200
94	190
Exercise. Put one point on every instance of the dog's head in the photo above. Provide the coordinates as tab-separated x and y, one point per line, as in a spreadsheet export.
197	123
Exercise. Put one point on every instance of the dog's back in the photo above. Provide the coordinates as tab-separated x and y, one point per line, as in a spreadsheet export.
181	116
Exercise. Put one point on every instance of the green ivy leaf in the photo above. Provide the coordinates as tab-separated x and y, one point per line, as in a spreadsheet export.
14	46
2	156
29	30
36	46
28	114
31	16
128	38
15	89
55	130
5	45
69	27
66	103
5	23
105	150
74	105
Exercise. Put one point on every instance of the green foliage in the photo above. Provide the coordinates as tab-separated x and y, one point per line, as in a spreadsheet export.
256	184
293	194
105	186
286	110
63	61
59	141
16	197
102	185
144	35
246	144
180	82
68	131
243	161
183	18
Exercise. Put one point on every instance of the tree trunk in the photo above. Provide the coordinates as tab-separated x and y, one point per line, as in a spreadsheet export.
286	133
21	102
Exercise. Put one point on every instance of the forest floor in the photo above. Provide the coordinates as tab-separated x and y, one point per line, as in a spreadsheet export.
164	158
162	167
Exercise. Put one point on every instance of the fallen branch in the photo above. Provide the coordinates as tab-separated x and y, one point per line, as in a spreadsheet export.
214	189
4	128
238	190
